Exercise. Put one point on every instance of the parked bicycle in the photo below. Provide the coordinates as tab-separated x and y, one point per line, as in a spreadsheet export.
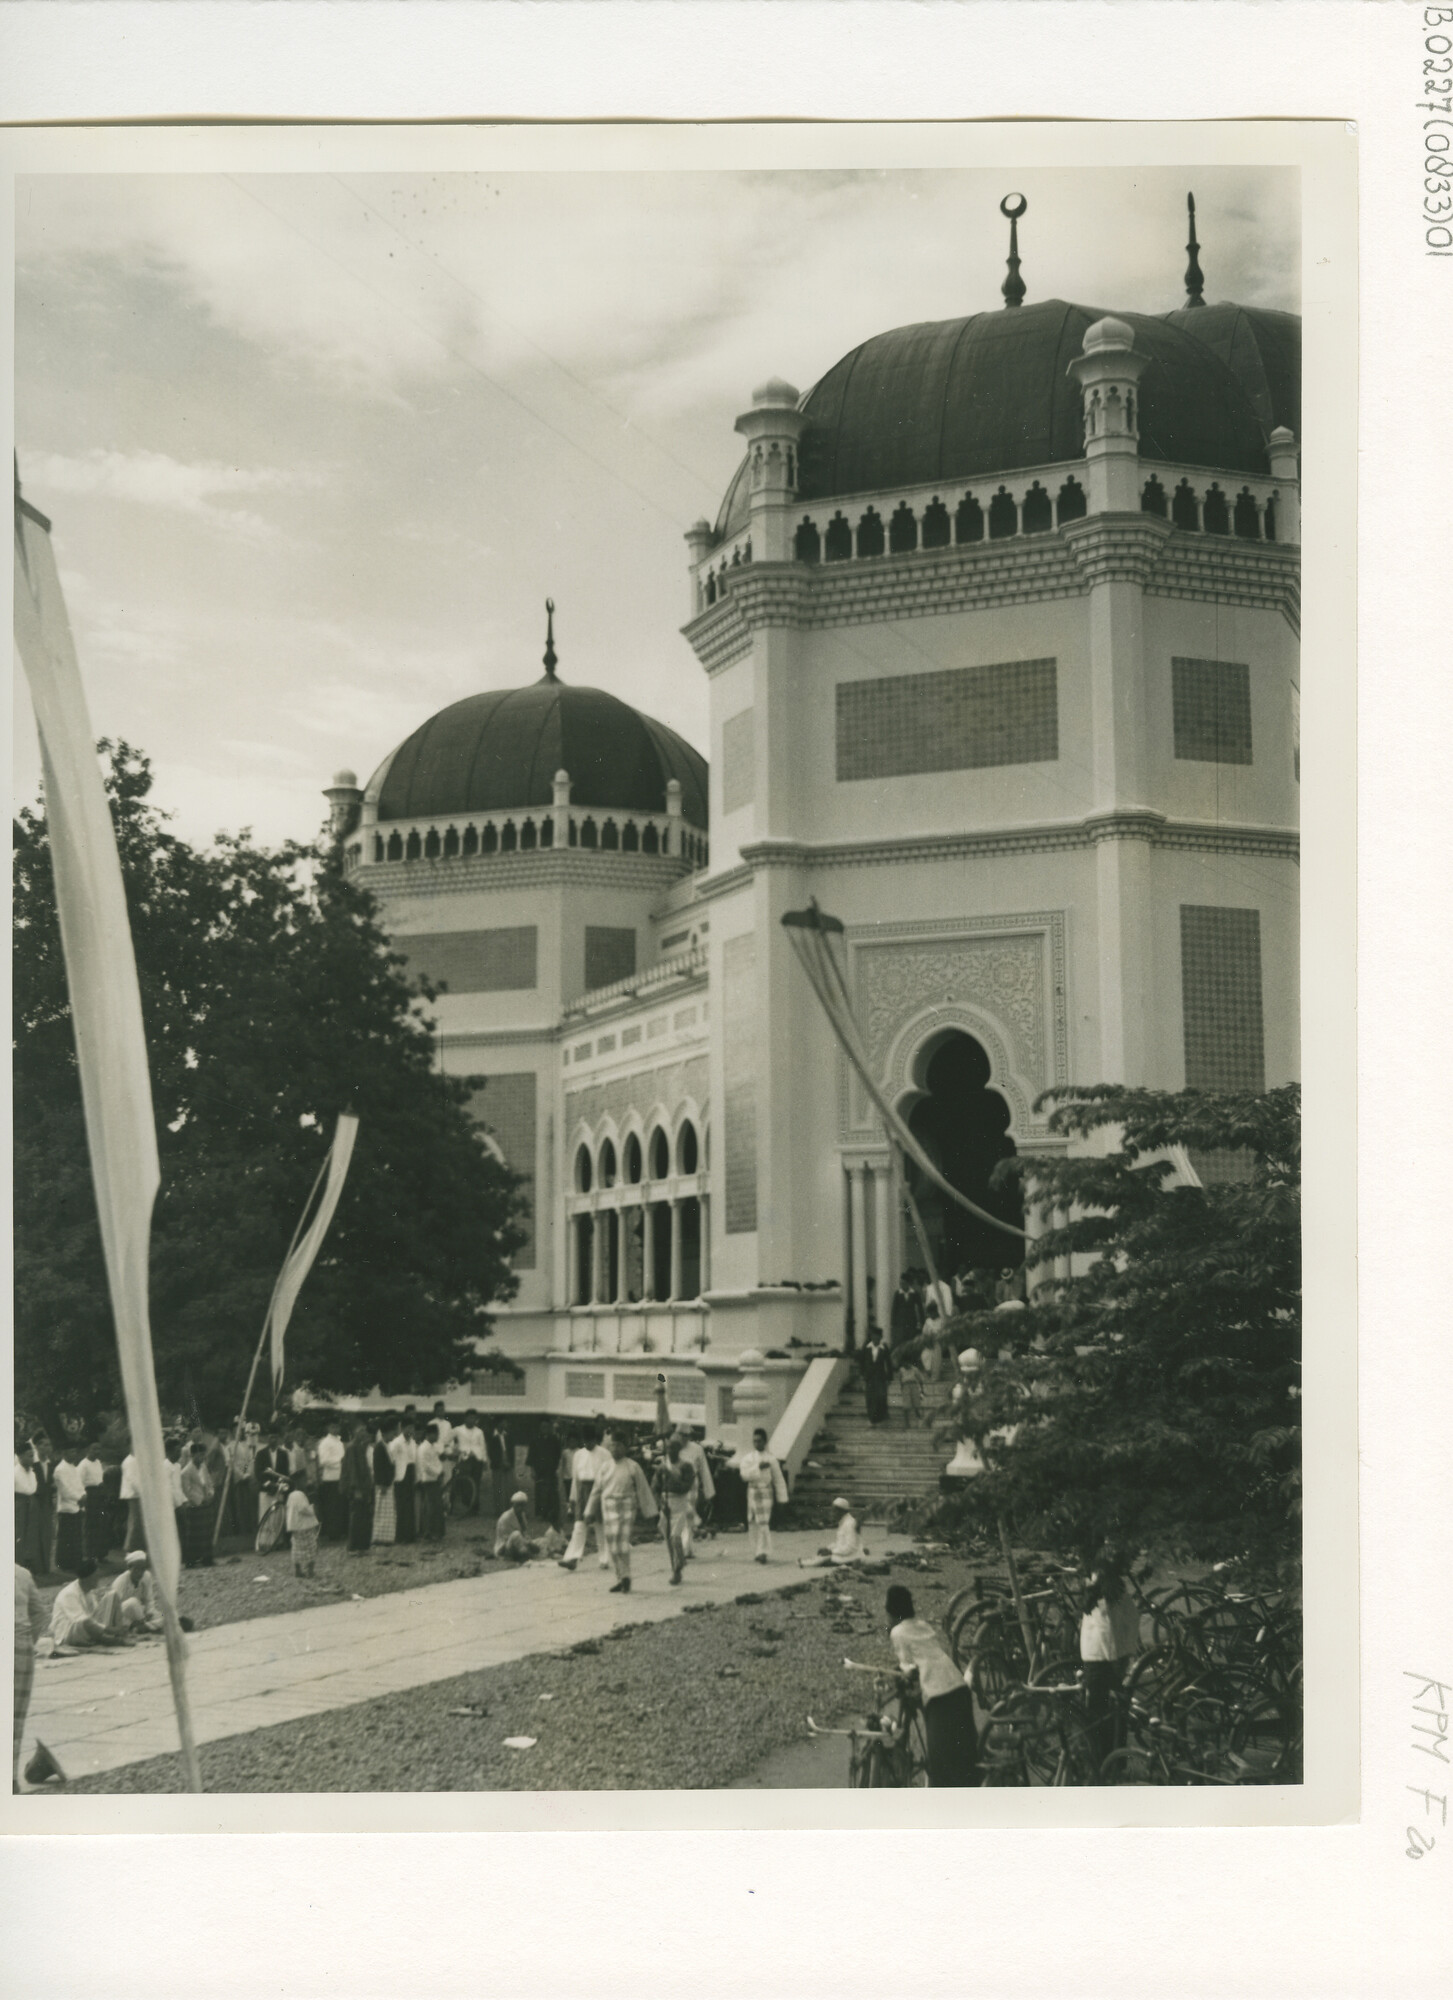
889	1747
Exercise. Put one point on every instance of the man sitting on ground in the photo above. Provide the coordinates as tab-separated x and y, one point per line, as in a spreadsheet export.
135	1591
88	1613
846	1546
510	1542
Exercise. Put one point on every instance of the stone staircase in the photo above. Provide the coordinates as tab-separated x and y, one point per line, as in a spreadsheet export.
870	1465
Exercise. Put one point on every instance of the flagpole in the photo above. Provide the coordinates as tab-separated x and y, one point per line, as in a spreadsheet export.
257	1357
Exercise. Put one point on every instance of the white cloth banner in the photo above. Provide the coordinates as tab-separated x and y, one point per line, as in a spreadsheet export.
105	1004
305	1250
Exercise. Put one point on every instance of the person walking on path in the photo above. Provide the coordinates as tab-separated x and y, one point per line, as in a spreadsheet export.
543	1459
704	1492
877	1366
27	1517
93	1478
356	1484
29	1630
302	1527
675	1485
618	1496
385	1471
332	1514
585	1468
762	1477
511	1542
196	1515
431	1486
948	1707
70	1496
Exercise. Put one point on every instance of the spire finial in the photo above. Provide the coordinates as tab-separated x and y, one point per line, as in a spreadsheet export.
1014	286
549	638
1195	283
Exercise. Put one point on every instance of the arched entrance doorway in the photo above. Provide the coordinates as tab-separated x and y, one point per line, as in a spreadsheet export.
962	1123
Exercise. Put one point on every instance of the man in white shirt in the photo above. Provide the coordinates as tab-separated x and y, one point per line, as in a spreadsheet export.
846	1545
87	1613
443	1426
333	1515
135	1591
430	1475
585	1468
93	1479
70	1494
469	1442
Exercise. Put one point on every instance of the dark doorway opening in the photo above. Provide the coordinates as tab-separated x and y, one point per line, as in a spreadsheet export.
963	1126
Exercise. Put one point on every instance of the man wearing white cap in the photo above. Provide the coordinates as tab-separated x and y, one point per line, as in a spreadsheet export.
135	1592
846	1545
510	1542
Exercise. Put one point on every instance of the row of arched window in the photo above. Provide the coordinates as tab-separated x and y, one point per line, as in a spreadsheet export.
904	531
528	835
714	584
601	1167
1212	512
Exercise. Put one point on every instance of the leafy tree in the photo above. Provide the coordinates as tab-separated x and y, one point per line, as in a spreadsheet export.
1151	1398
271	1003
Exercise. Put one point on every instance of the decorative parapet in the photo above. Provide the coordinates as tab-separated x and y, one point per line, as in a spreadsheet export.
461	838
681	967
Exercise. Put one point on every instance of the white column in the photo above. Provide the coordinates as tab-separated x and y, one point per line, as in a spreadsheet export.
703	1203
885	1277
857	1206
648	1250
675	1249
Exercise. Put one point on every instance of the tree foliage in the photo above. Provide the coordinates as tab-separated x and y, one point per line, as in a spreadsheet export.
272	1003
1153	1396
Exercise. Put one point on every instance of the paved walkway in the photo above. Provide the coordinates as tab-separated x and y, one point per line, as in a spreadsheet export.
98	1711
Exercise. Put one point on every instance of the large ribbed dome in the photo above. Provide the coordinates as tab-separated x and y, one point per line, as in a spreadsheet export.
957	398
496	752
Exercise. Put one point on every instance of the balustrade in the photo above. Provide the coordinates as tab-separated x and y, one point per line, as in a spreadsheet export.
464	837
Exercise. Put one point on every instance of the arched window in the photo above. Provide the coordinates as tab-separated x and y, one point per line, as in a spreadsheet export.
1152	498
1038	519
870	533
588	833
630	838
710	588
1248	516
633	1161
507	838
1215	517
686	1149
1071	505
547	832
839	543
937	528
736	558
470	843
1003	516
489	839
607	1168
572	835
451	843
969	520
1269	521
807	546
650	841
610	835
660	1155
378	847
431	844
583	1172
528	835
414	848
395	847
1183	510
902	530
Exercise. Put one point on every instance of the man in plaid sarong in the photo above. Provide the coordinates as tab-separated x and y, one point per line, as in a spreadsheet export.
762	1477
618	1496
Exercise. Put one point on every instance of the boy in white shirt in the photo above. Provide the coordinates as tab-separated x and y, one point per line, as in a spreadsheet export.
70	1494
333	1515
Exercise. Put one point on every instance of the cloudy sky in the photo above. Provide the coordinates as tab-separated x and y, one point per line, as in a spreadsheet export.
316	448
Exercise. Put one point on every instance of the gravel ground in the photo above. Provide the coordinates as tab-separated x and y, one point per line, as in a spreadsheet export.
232	1589
688	1704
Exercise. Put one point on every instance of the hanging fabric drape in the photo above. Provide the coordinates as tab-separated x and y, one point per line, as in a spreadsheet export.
105	998
811	933
308	1242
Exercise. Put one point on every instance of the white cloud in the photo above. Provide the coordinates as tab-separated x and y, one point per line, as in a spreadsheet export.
152	479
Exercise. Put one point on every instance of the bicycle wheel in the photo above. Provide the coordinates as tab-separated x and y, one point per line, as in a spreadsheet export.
1134	1765
463	1493
1056	1745
877	1768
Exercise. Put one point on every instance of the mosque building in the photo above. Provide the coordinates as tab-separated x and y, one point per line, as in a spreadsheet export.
1000	626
